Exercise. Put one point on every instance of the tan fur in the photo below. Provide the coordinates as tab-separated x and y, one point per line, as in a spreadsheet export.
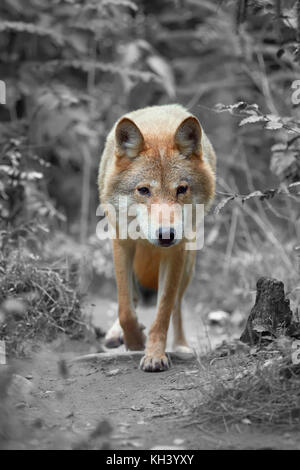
160	147
146	265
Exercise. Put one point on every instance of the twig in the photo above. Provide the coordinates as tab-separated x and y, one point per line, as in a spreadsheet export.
231	239
265	84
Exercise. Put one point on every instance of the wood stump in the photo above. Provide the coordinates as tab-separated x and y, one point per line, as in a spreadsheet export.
271	314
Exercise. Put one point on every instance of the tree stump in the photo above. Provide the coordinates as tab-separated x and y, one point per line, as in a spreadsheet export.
271	314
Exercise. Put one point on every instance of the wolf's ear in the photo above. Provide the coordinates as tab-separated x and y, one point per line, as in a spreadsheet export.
188	137
129	138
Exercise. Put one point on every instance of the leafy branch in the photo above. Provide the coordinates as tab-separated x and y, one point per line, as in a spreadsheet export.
262	195
253	115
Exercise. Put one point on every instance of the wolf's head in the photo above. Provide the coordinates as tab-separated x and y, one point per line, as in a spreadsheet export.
161	170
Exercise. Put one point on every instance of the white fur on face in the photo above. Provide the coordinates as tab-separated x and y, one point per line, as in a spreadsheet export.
161	216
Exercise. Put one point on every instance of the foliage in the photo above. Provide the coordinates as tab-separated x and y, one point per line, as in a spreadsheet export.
260	388
36	303
68	68
72	68
284	158
21	195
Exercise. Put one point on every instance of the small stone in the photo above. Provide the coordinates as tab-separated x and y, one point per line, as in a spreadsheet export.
20	389
137	408
113	372
49	394
218	317
191	372
135	444
20	405
246	421
178	442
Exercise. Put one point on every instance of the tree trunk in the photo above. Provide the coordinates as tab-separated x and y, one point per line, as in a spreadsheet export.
271	314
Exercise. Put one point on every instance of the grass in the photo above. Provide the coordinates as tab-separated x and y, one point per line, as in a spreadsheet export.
36	304
261	389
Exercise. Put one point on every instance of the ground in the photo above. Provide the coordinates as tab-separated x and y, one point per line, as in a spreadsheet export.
105	401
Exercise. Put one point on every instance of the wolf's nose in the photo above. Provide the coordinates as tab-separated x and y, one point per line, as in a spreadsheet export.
165	236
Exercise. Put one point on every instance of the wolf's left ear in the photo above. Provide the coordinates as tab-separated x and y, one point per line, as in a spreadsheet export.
188	137
129	138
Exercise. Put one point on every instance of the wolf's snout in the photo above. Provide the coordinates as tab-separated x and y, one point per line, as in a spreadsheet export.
165	236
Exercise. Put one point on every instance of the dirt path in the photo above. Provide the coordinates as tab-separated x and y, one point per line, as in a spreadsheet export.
109	403
105	401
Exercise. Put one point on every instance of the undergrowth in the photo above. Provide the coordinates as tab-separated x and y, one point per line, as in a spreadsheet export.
36	303
259	388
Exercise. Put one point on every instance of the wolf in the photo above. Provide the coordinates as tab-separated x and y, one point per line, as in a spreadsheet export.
156	157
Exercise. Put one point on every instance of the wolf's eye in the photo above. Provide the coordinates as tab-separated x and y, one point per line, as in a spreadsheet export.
182	189
144	191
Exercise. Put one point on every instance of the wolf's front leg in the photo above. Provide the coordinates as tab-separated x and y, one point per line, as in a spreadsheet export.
134	338
170	273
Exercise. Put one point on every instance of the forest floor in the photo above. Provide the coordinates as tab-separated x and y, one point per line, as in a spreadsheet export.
105	401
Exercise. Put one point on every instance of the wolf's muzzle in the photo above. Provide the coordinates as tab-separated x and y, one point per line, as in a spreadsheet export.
165	236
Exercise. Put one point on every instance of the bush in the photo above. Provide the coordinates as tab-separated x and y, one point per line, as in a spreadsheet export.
37	303
261	388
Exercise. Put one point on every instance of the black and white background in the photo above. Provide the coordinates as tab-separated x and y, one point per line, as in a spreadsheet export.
68	70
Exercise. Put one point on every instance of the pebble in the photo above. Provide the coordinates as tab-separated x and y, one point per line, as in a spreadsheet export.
20	389
218	317
113	372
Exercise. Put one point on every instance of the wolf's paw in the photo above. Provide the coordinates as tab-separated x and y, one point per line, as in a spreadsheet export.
155	363
114	336
113	341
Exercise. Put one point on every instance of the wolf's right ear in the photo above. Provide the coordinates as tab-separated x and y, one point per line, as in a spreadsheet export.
129	139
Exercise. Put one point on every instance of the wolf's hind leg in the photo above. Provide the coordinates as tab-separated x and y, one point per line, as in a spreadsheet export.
114	336
179	342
